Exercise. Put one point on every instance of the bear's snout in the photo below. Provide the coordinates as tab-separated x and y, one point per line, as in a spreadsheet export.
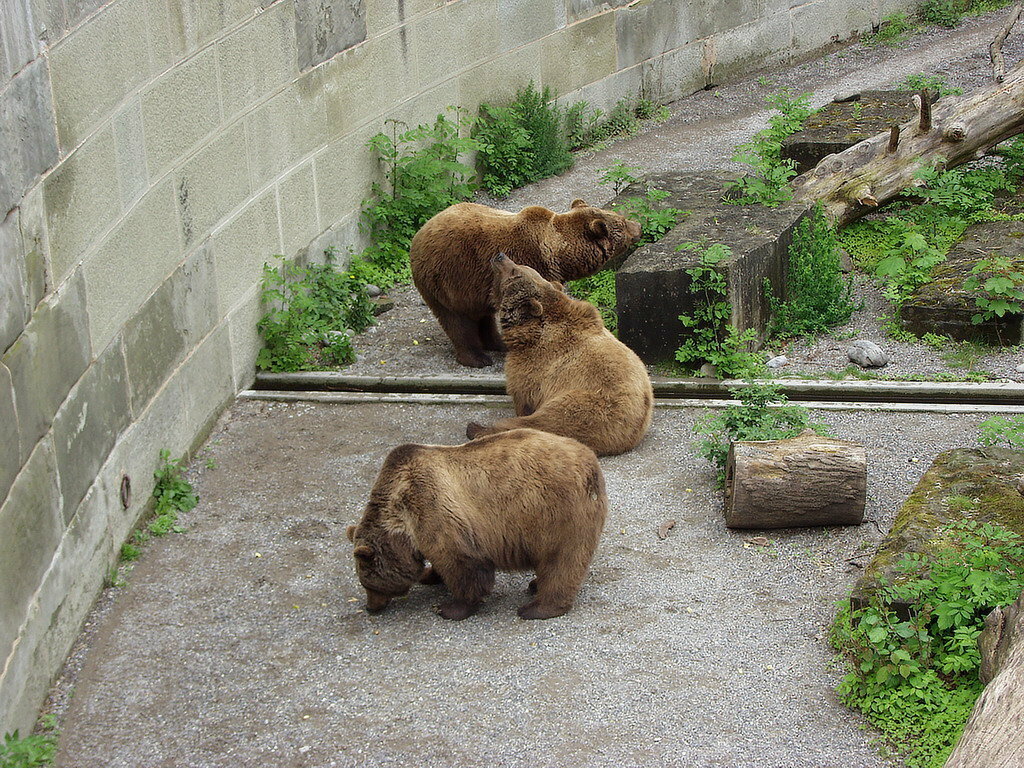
376	601
634	230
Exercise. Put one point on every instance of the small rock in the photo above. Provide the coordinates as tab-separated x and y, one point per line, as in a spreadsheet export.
665	527
778	361
708	371
372	290
382	304
845	261
1020	368
867	354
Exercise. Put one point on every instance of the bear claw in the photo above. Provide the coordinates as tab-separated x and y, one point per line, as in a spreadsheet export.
456	611
535	610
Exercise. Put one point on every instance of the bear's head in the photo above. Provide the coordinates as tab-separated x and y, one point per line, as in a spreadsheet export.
523	295
607	234
387	563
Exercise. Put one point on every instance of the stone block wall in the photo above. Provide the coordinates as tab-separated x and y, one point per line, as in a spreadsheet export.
154	153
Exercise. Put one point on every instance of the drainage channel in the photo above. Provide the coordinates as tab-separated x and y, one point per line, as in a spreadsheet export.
949	397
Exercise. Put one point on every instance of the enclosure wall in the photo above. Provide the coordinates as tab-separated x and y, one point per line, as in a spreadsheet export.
154	153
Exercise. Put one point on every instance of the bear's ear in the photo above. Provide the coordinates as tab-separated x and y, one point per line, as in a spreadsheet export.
598	228
578	203
557	285
363	553
534	308
351	533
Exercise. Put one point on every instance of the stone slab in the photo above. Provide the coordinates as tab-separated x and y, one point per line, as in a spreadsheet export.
579	54
10	454
13	304
652	287
35	245
324	28
842	123
942	306
17	38
28	140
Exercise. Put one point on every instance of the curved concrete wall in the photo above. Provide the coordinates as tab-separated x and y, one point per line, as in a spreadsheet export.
154	153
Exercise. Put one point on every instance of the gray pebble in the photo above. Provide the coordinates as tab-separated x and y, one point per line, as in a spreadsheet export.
1020	368
372	290
778	361
867	354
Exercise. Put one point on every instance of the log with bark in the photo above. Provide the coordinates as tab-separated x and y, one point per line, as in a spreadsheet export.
944	135
805	480
994	734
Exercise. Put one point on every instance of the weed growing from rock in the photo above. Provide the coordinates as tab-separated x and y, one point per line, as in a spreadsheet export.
33	751
916	679
1003	429
999	284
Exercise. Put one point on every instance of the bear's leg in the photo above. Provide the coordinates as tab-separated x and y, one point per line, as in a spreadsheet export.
558	580
490	334
469	584
464	333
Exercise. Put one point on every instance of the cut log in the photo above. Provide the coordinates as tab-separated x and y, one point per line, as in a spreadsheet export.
994	734
944	135
805	480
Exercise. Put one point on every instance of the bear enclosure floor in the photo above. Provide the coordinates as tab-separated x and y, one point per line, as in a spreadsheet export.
243	641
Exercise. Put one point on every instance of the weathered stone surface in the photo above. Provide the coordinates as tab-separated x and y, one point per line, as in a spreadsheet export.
89	423
736	50
520	23
47	360
652	287
169	325
965	483
579	54
290	126
257	58
327	27
10	453
675	74
817	23
451	39
867	354
13	306
296	203
28	142
942	305
130	148
17	38
581	9
841	124
35	246
241	248
31	527
184	26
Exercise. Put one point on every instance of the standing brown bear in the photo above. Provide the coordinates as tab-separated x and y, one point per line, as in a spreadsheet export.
450	258
516	501
566	373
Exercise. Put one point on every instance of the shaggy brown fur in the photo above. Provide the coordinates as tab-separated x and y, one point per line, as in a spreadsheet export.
516	501
451	261
566	373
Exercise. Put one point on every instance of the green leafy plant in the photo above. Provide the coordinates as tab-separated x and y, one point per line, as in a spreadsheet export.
892	30
587	127
908	266
423	174
309	311
172	494
599	290
915	678
761	413
769	185
819	296
655	221
943	13
33	751
999	283
618	175
710	337
1003	429
522	142
936	84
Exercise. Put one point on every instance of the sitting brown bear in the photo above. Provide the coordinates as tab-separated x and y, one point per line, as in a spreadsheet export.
450	258
516	501
566	373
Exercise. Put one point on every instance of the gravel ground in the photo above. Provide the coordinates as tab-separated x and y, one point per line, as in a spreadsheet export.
243	641
701	135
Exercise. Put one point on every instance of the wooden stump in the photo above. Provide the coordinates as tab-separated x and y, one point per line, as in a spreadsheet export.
994	734
805	480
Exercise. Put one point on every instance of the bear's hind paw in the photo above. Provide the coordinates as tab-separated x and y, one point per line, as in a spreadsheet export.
537	610
457	610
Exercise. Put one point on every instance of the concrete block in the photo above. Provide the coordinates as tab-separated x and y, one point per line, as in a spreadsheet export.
675	74
13	303
28	143
424	109
606	92
648	30
579	54
130	147
47	360
181	27
352	83
10	454
819	23
35	246
241	247
751	46
89	423
131	262
345	237
344	171
582	9
522	23
212	183
245	340
324	28
171	130
17	37
287	128
181	312
31	527
382	15
95	67
497	80
296	207
258	58
82	198
453	39
207	383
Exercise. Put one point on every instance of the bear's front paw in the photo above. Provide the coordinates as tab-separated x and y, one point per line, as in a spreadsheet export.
537	610
473	358
457	610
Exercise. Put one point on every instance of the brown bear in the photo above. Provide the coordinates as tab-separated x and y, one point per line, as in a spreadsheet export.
566	373
450	258
519	500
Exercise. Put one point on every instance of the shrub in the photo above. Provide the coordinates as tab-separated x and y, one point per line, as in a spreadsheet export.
599	290
1003	429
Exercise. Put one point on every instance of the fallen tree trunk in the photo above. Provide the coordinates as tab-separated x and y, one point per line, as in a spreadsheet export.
805	480
994	734
946	134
